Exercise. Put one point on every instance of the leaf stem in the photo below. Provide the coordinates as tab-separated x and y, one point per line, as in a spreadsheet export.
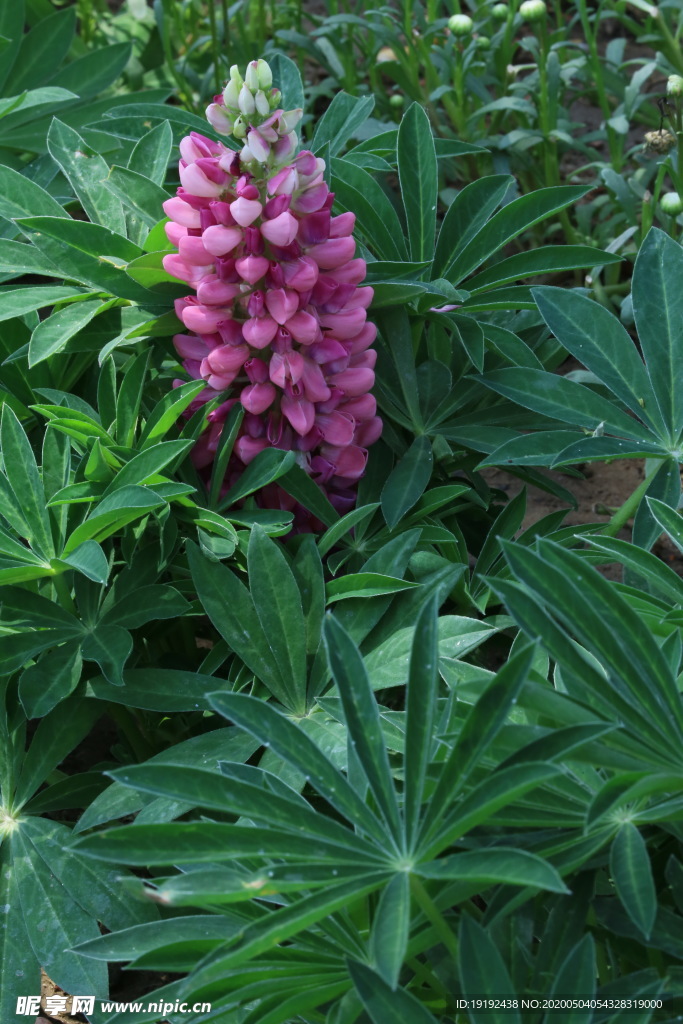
630	506
434	915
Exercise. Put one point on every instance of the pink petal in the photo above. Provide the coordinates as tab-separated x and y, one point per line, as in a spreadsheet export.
179	211
252	268
281	230
245	211
219	240
303	327
282	304
256	398
299	412
333	253
260	331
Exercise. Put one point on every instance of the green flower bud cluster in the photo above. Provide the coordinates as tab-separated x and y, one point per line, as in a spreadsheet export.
460	24
671	204
533	10
674	85
250	100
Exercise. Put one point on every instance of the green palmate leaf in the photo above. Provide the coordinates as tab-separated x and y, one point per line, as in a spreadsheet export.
288	742
89	559
86	170
661	579
480	728
43	898
52	335
57	734
365	584
362	720
563	399
632	874
166	413
549	259
483	972
418	177
384	1004
152	153
137	192
596	338
277	602
341	121
607	626
396	339
357	190
230	607
283	924
499	866
147	464
334	534
407	481
299	484
20	258
669	519
391	929
269	465
665	486
130	943
18	301
52	678
19	969
11	30
95	71
466	215
110	647
93	239
657	308
508	223
24	479
421	708
287	78
114	512
577	973
21	197
43	49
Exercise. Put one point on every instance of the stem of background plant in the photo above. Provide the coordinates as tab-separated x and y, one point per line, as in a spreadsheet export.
434	916
615	141
226	29
63	592
215	45
459	110
630	506
550	160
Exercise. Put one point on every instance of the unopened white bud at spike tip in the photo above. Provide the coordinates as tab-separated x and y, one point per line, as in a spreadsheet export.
262	104
274	99
239	129
231	95
235	75
246	102
251	76
265	75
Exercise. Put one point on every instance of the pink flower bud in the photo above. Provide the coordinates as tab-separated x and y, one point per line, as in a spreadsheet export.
282	304
301	274
281	230
363	339
303	327
326	350
284	182
314	228
257	398
245	211
364	407
256	370
181	212
259	331
299	412
369	432
190	346
333	253
177	267
195	180
286	368
219	119
342	225
247	448
311	199
221	213
348	462
258	147
336	427
219	240
227	358
203	319
275	206
315	387
342	325
353	382
351	273
230	332
192	251
252	268
214	292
